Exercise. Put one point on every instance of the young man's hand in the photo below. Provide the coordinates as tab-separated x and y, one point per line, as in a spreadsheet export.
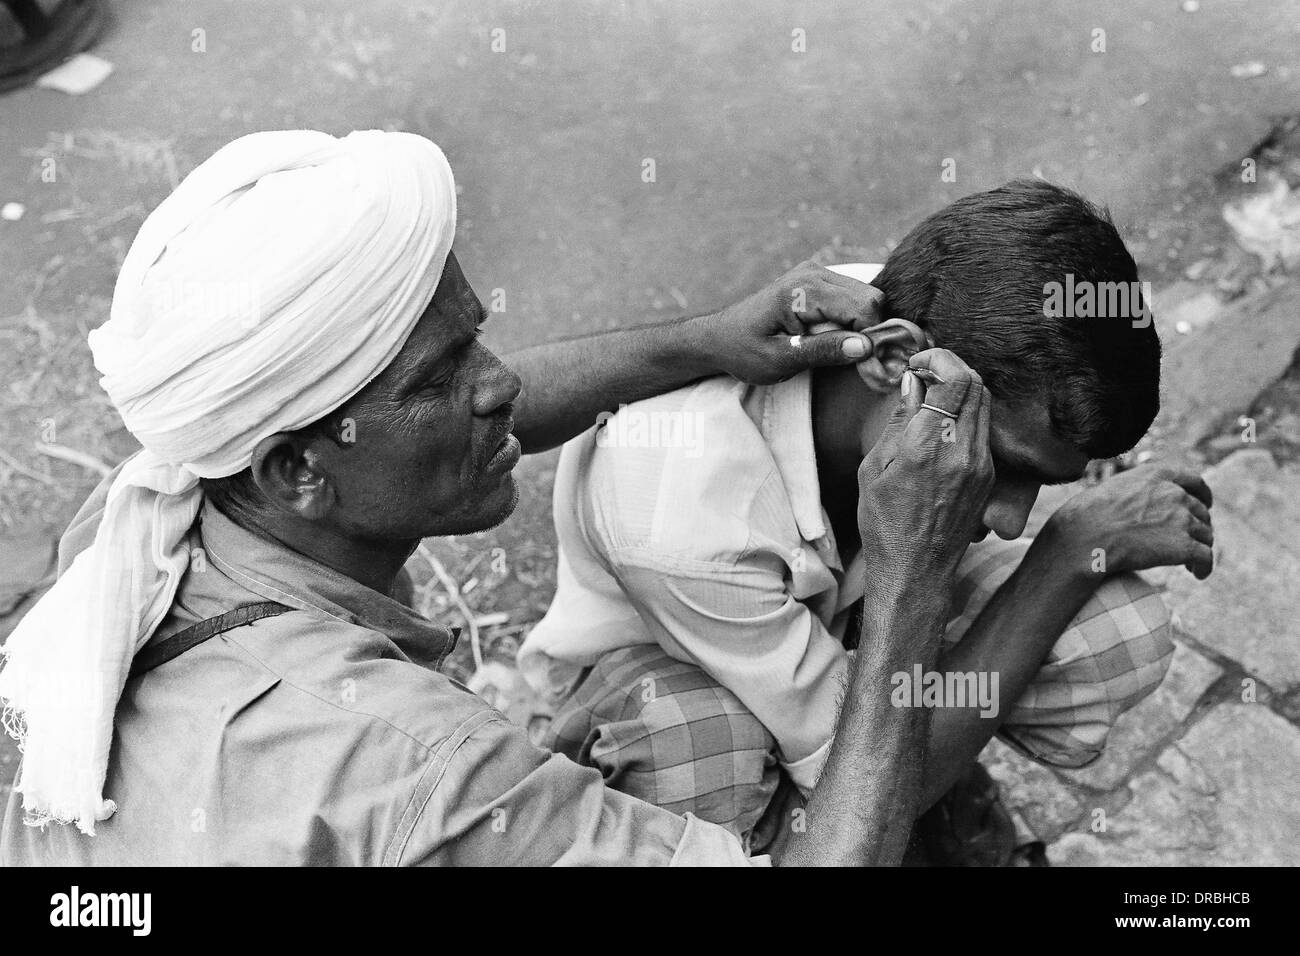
1151	516
752	340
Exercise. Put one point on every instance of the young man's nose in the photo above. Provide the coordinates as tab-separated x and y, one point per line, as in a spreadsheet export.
1007	511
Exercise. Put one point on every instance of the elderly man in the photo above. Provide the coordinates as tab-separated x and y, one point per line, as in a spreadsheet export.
219	674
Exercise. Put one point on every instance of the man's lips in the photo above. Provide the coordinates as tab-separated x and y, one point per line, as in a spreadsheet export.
507	455
506	450
501	430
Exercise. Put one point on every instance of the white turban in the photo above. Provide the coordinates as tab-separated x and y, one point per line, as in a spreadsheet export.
279	279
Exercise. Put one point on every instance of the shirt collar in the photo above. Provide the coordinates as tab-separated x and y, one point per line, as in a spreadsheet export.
277	573
787	427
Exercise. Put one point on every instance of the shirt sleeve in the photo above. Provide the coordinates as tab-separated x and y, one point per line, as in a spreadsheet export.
738	622
498	800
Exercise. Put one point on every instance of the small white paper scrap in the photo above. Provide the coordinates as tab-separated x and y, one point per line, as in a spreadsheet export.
1248	71
80	74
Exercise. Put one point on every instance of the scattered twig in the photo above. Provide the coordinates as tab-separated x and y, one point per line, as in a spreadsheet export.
64	453
453	592
478	559
135	209
511	630
19	467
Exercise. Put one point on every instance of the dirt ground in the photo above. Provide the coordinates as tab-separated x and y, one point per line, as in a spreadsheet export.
764	156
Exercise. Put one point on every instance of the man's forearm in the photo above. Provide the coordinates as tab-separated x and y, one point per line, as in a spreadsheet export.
566	385
1010	638
868	797
759	340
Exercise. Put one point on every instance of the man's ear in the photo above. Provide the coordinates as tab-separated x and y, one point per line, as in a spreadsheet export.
893	342
292	476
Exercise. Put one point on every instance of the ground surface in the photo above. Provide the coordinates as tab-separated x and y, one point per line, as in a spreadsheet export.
763	156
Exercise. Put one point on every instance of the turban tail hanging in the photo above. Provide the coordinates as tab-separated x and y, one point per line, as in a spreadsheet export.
278	279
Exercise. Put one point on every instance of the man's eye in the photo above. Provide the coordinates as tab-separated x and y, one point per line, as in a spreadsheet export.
439	381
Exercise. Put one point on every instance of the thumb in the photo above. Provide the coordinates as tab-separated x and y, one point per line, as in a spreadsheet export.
833	348
911	394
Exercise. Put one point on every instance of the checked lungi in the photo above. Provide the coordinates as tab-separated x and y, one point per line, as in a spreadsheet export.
665	731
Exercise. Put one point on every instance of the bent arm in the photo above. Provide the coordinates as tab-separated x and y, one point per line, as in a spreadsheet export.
869	795
759	340
1011	637
498	800
566	385
864	806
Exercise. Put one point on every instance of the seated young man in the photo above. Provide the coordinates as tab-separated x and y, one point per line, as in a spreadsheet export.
709	554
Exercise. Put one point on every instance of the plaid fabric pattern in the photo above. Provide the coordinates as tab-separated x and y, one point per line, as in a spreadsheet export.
666	732
1114	653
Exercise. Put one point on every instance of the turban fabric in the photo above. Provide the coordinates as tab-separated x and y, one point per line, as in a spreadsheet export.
278	279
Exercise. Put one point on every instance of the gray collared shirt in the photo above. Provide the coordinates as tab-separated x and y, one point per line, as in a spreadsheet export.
326	735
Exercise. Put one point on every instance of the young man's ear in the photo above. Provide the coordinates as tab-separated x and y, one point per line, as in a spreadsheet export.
291	476
893	341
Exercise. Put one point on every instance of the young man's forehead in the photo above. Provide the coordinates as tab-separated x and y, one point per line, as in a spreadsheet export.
1022	441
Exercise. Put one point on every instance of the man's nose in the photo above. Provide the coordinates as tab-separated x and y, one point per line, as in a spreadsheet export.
1007	511
500	386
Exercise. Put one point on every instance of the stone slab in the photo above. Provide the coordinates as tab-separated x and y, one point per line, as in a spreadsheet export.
1031	790
1227	794
1147	725
1184	308
1251	483
1219	370
1248	609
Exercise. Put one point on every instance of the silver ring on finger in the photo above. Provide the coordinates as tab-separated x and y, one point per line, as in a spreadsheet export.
941	411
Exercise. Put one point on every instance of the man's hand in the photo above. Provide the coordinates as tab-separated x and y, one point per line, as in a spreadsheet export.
568	385
1151	516
751	340
923	486
922	492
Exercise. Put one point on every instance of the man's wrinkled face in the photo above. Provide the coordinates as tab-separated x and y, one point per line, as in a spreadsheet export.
1026	456
431	451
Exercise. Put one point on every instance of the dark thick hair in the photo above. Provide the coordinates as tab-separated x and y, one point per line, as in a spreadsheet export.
975	276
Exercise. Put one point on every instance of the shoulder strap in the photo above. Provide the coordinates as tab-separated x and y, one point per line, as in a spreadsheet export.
157	654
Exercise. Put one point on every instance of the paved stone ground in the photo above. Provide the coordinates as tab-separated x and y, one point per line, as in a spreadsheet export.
1206	771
